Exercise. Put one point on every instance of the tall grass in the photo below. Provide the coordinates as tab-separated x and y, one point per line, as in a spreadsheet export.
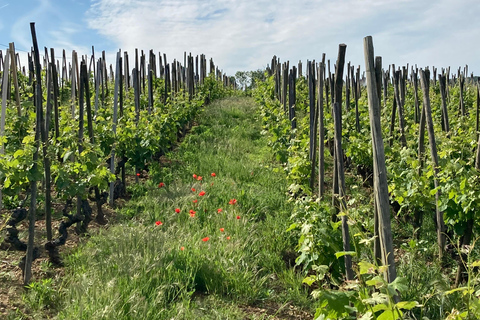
201	267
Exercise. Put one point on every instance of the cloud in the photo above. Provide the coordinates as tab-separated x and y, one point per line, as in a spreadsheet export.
244	35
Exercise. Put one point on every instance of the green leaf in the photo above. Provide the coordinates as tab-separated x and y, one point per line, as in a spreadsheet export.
376	281
399	284
455	290
379	307
336	300
28	139
390	315
321	271
377	298
343	253
366	267
292	226
475	264
18	153
407	305
310	280
67	155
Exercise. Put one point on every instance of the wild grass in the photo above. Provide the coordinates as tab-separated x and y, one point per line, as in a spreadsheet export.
201	266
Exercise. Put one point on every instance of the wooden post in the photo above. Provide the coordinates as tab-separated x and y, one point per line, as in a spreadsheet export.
355	95
461	79
377	248
337	117
292	97
347	88
73	80
380	185
33	183
136	92
56	94
46	159
114	125
398	98
313	122
6	69
81	122
127	71
321	129
443	93
478	109
97	84
433	150
311	95
150	90
15	78
284	85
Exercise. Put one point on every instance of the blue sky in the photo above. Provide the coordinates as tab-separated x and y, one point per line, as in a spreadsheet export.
244	35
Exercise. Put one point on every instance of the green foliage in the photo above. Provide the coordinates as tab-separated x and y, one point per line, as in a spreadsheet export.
41	295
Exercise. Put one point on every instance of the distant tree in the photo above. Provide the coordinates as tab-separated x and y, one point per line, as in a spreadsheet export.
256	77
247	80
244	79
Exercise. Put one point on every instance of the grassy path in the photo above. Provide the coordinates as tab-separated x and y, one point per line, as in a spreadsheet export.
191	248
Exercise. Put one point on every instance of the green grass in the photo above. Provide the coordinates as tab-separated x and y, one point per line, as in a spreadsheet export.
138	270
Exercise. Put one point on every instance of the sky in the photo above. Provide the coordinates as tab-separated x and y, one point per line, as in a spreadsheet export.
242	35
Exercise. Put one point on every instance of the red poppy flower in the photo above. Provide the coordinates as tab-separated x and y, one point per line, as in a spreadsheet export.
192	215
177	210
195	201
161	184
222	229
232	201
158	223
219	210
138	174
205	239
202	193
182	248
211	184
238	217
228	238
194	176
193	190
213	174
199	178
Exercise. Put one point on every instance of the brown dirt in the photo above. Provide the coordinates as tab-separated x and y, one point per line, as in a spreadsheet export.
276	312
11	279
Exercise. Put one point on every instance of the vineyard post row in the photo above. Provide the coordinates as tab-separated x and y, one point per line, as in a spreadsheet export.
179	80
320	82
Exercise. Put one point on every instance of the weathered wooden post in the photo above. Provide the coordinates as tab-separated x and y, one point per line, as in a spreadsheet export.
396	85
15	78
46	158
33	183
313	122
6	68
433	151
321	129
114	126
292	96
443	93
461	81
379	168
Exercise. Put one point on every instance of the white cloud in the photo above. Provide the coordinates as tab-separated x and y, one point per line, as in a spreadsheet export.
244	35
